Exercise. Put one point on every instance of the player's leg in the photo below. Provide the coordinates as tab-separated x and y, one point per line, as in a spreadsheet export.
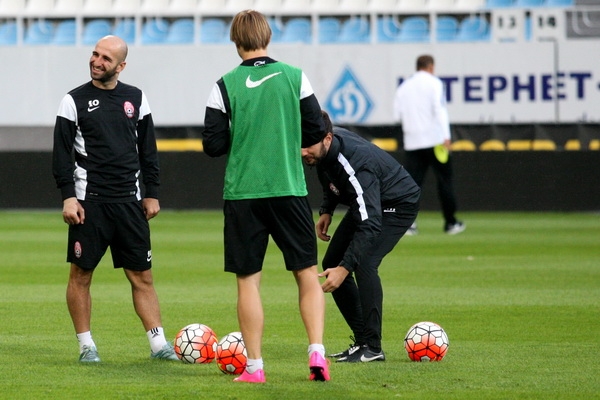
250	313
87	244
131	250
293	230
246	239
346	296
394	226
79	300
445	188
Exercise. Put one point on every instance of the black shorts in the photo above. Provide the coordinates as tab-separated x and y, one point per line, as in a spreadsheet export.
122	226
248	224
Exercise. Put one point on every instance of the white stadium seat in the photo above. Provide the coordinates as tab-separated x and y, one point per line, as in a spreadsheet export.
155	5
120	6
68	6
97	6
39	6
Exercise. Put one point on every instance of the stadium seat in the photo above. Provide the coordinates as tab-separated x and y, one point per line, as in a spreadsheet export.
97	7
65	33
68	6
154	31
40	31
205	6
559	3
323	6
416	5
388	29
529	3
355	30
473	28
95	29
446	28
181	31
329	29
472	5
8	33
353	5
154	5
385	6
414	29
213	30
441	4
499	3
266	6
297	30
126	6
183	6
12	7
296	5
276	29
37	7
125	29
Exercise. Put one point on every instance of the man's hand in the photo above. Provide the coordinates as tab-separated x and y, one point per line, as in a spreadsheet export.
73	212
151	207
335	277
323	226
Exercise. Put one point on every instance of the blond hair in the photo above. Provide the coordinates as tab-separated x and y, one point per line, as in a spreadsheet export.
250	30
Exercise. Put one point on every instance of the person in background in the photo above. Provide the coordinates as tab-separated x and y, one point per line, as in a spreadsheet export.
383	202
260	114
420	105
103	139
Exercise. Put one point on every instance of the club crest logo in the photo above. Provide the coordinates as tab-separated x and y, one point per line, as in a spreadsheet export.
77	250
334	189
129	109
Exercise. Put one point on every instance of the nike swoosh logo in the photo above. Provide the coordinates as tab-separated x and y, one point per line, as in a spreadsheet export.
252	84
367	359
90	109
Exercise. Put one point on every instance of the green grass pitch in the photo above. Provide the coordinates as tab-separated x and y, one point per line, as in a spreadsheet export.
517	293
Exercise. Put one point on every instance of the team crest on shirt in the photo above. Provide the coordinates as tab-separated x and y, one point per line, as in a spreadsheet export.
334	189
77	250
129	109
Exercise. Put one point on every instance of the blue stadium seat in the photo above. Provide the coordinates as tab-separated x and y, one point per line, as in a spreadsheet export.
414	29
559	3
472	29
499	3
154	31
95	29
40	31
329	29
181	31
65	33
388	29
529	3
297	30
276	29
355	30
213	30
446	28
8	33
125	29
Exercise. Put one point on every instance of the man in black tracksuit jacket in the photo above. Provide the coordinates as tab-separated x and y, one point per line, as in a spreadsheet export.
383	202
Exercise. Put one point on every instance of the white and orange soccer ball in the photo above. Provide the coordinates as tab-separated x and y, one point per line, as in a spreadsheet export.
426	341
196	344
231	354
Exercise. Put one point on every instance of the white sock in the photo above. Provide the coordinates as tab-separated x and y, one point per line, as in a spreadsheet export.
156	337
85	339
316	347
253	365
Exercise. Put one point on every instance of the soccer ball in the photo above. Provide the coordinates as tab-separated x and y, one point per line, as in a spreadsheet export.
195	344
231	354
426	341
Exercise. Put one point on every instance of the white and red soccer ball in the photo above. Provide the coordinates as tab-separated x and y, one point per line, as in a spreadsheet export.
196	344
231	354
426	341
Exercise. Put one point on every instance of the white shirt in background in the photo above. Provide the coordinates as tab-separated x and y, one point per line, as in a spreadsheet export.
420	105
